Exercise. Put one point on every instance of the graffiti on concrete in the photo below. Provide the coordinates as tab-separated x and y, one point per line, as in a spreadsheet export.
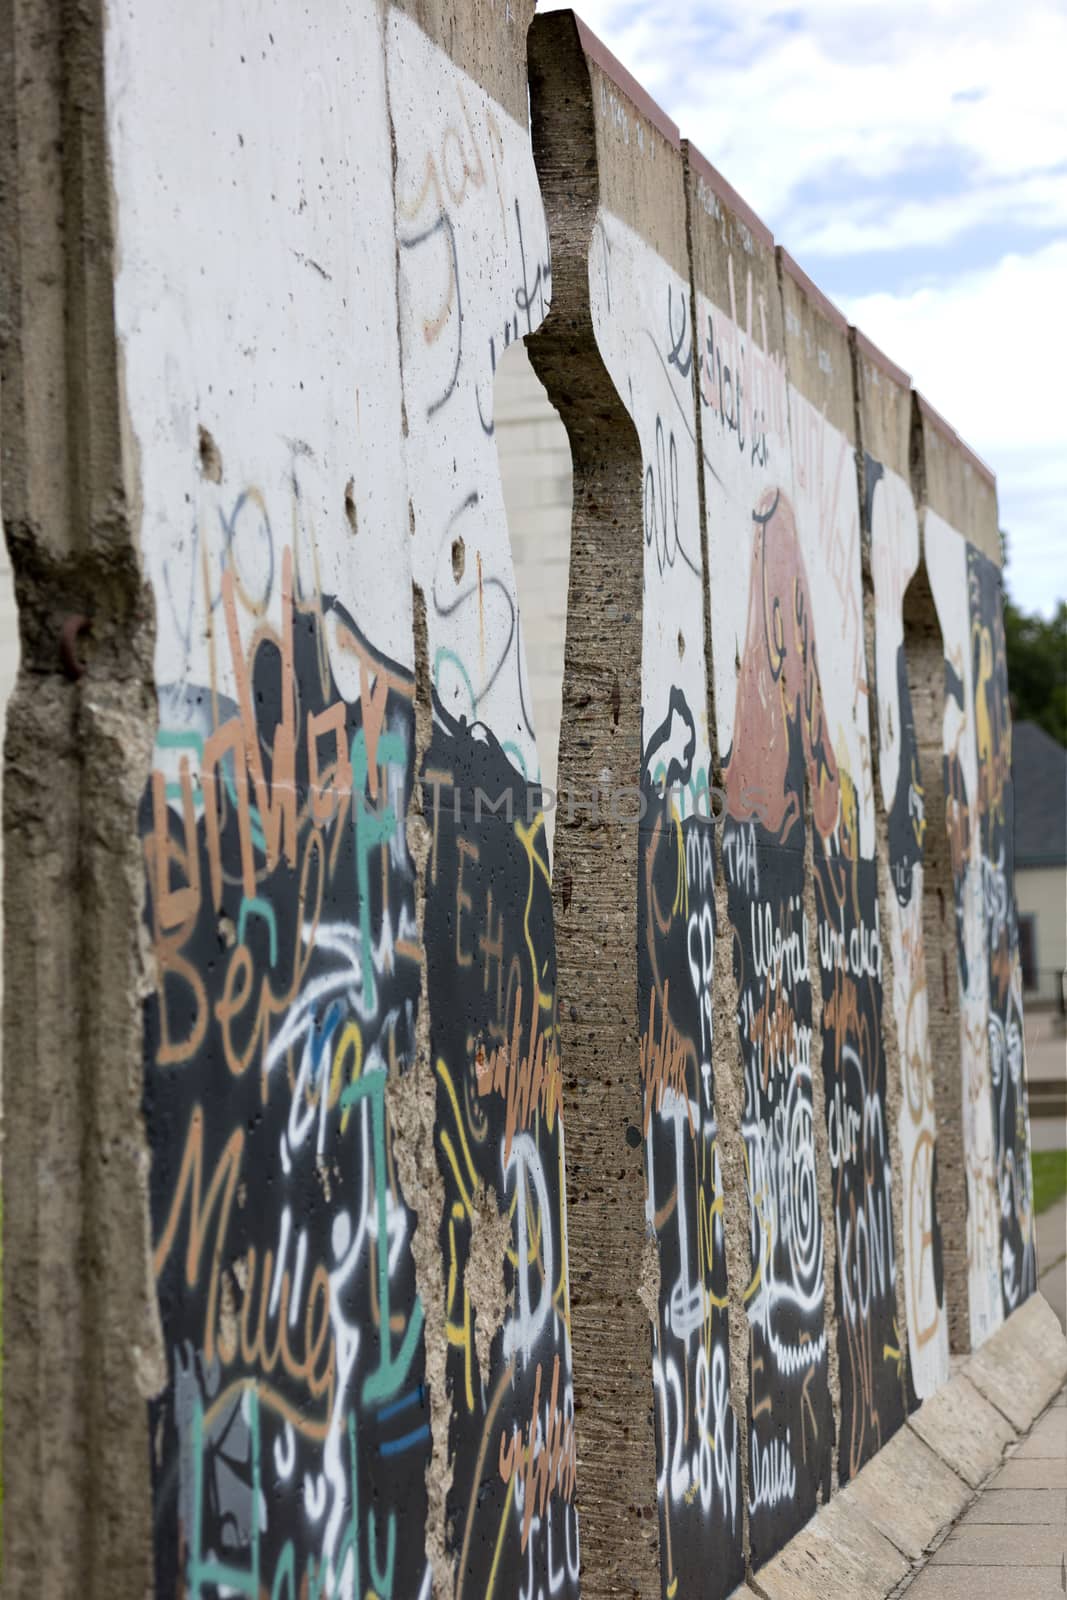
946	558
894	529
996	840
641	315
870	1360
300	1441
778	737
494	1039
282	922
475	275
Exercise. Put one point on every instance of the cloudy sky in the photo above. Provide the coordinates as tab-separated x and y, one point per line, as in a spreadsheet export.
913	158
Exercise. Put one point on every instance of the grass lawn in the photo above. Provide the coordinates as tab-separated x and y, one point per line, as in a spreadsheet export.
1050	1177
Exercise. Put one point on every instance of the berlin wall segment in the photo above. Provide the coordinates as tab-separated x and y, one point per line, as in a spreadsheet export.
611	175
351	1324
351	1072
640	305
822	432
762	678
891	548
966	585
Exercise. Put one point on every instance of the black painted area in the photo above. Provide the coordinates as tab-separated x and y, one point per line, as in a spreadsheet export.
870	1357
291	1440
495	1046
697	1445
790	1421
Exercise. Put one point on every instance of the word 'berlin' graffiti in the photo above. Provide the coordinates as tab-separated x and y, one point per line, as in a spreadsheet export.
292	1435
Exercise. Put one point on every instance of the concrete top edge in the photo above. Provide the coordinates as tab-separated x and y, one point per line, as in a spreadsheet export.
878	358
812	290
728	194
936	420
598	51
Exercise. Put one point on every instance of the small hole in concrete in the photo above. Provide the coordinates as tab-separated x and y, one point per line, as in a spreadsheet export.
459	558
350	506
681	644
210	456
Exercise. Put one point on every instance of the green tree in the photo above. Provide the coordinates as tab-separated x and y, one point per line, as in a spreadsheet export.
1037	667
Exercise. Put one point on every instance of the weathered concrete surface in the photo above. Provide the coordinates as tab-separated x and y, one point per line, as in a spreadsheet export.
957	482
81	1347
838	1555
962	1428
1024	1365
614	1276
908	1493
975	723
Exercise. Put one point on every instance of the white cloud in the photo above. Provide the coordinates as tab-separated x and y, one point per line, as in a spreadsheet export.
953	114
860	84
989	350
871	225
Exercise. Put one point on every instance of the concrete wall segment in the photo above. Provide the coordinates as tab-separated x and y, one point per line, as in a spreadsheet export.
891	560
596	865
862	1203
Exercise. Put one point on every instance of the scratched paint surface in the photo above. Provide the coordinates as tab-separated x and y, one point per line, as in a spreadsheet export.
641	314
270	380
894	558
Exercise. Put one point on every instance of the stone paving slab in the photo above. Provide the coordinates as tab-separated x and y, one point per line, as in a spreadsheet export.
978	1545
961	1426
1023	1365
1048	1441
1017	1508
973	1583
1027	1472
908	1493
837	1556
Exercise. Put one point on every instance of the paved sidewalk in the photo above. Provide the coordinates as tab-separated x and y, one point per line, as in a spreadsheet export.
1012	1543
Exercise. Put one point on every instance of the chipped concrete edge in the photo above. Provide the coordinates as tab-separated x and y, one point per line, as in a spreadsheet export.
1016	1374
